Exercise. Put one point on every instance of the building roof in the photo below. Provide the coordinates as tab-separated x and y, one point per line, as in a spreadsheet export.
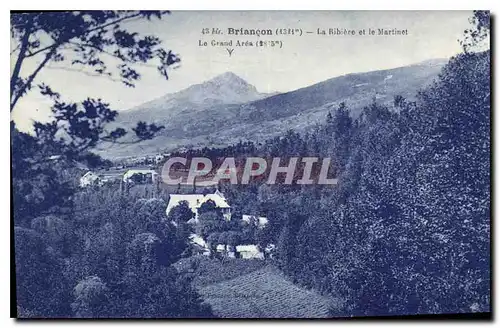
219	200
196	239
89	175
262	221
248	248
130	173
195	200
89	178
221	247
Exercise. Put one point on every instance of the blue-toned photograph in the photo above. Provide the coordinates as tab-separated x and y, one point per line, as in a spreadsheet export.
250	164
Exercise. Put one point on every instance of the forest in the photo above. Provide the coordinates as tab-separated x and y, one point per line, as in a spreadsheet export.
405	231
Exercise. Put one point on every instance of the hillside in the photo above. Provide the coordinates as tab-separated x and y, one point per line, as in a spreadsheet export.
265	293
237	288
226	109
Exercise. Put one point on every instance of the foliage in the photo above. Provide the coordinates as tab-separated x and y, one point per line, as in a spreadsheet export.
41	289
181	213
90	297
97	252
477	37
91	40
111	257
407	228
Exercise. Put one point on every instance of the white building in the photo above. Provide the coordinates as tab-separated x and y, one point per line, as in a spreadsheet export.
240	251
249	252
89	178
150	175
196	200
260	221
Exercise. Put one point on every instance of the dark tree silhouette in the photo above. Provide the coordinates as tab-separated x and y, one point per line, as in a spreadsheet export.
96	43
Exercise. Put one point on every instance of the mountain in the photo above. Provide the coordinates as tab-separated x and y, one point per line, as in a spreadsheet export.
224	89
226	108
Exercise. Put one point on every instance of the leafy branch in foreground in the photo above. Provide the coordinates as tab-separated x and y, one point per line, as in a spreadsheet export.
95	43
93	40
477	37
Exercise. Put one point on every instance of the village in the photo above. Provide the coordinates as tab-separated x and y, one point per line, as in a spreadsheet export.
207	247
141	172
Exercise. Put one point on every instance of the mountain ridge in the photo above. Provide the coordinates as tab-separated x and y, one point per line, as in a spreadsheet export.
226	108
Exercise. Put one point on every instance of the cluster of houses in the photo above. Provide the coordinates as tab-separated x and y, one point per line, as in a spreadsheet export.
130	176
194	201
137	169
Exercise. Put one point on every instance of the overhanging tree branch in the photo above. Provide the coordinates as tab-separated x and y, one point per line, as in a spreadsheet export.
55	44
30	79
19	87
22	55
69	69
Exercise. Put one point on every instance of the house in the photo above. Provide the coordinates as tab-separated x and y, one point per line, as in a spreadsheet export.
195	239
140	175
199	245
240	251
249	252
89	179
196	200
259	221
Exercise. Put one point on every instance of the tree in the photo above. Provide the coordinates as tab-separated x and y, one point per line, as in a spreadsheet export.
127	242
208	206
150	214
124	240
233	239
181	213
285	249
43	164
39	186
90	298
153	290
41	289
213	241
411	232
210	222
94	42
86	39
477	37
55	231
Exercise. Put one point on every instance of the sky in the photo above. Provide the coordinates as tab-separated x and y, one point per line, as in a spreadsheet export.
301	61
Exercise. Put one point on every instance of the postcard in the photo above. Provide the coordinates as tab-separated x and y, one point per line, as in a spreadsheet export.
251	164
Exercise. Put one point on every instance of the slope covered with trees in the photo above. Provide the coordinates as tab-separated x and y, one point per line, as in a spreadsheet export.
407	228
